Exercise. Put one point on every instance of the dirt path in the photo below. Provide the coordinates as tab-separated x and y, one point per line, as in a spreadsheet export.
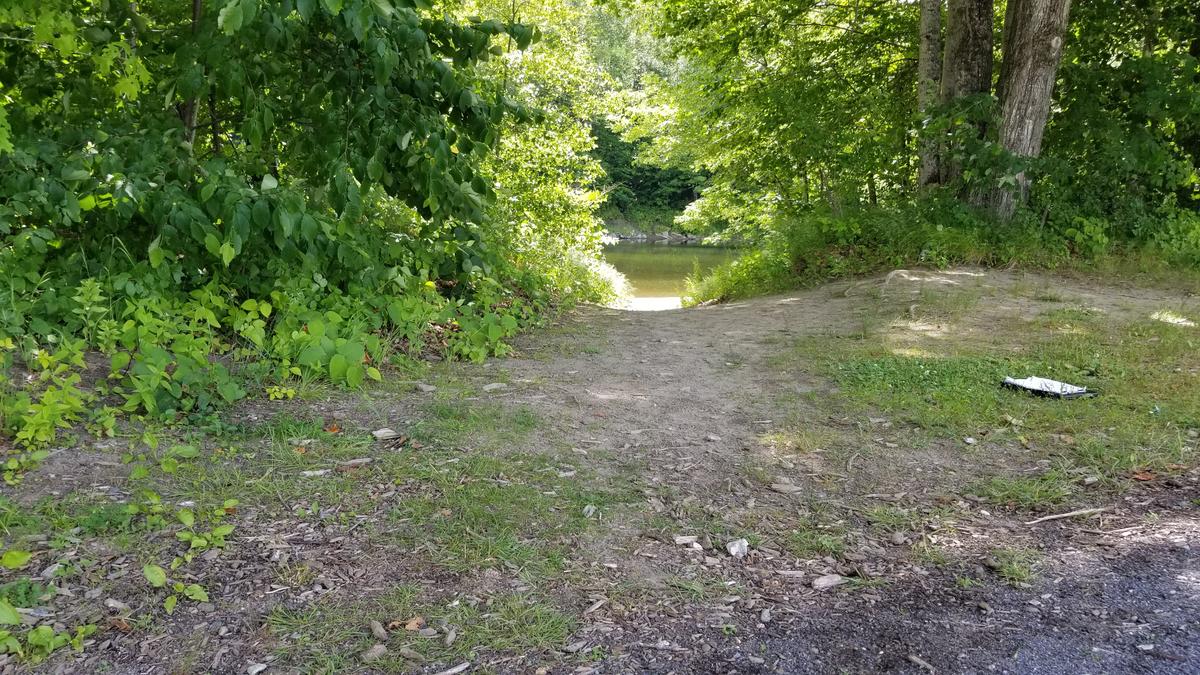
687	402
580	507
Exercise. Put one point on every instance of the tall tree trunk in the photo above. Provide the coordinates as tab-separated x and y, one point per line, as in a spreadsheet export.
929	74
1033	44
967	61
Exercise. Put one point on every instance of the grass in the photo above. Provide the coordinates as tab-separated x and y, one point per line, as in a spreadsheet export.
892	518
810	542
329	635
1146	371
1014	565
1029	492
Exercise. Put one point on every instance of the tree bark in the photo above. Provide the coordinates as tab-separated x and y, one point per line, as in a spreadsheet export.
967	60
1033	45
967	65
929	80
188	113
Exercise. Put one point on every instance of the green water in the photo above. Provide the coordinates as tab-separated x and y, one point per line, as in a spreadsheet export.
659	270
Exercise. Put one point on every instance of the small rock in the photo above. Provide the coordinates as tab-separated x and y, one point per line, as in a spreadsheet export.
765	615
786	488
970	441
410	654
1091	480
686	540
1146	648
116	605
712	438
206	608
425	388
589	510
314	473
378	631
575	646
375	653
898	538
385	434
451	636
828	581
358	461
428	632
495	386
256	668
738	548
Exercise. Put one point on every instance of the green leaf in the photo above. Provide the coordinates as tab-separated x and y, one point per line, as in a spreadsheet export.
264	308
305	8
337	368
354	375
334	7
8	614
168	464
156	575
186	517
157	255
269	182
311	357
230	18
374	374
184	451
170	602
14	560
196	592
227	253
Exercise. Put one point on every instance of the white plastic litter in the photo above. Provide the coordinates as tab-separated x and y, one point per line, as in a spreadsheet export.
1047	387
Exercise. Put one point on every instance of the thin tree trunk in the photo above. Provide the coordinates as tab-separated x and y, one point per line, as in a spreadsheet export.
967	60
215	127
1033	44
929	74
872	192
192	106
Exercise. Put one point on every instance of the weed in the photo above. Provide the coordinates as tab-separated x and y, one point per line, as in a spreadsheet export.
892	518
811	542
1028	492
1014	565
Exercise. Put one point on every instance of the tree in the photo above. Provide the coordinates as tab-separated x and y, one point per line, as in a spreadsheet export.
967	64
929	72
1033	45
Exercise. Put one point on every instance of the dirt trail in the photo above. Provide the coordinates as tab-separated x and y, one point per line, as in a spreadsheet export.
684	400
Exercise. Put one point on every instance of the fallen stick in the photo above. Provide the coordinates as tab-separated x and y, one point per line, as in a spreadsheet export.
916	660
1069	514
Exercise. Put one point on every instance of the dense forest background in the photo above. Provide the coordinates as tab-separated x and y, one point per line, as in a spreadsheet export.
231	198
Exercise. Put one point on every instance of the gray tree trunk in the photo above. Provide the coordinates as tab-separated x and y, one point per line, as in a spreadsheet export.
967	61
1033	44
929	74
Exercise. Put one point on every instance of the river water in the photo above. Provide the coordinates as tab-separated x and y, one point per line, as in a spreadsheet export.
656	272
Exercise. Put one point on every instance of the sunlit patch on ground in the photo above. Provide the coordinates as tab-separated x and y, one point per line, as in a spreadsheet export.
1167	316
652	304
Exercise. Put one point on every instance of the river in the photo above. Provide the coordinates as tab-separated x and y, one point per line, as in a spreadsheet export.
656	272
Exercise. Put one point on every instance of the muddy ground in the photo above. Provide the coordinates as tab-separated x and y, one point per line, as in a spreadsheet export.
653	441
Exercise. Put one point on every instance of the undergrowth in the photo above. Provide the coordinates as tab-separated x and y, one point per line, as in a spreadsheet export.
818	246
